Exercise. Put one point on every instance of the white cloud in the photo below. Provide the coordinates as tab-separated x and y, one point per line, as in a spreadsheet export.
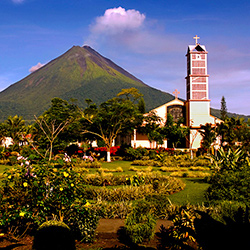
118	20
129	29
36	67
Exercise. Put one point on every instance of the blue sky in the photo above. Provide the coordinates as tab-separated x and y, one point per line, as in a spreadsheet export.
147	38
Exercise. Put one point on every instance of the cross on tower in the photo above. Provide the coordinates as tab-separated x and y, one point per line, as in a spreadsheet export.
196	39
176	93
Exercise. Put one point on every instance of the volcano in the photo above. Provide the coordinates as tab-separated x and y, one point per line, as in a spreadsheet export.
79	73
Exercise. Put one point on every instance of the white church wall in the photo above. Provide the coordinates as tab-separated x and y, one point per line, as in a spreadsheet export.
161	111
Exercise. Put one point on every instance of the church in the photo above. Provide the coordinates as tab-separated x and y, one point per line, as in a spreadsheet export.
195	110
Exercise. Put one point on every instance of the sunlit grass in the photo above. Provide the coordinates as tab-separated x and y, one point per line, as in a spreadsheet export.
193	192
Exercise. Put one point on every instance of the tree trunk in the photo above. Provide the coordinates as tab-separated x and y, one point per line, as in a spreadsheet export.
108	155
191	154
51	150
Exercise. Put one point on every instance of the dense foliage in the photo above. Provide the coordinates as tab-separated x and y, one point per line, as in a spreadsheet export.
233	132
231	178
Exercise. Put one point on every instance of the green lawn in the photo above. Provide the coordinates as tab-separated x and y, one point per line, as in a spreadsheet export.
125	165
193	192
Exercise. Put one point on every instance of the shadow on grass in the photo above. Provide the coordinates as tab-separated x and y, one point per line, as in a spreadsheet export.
197	180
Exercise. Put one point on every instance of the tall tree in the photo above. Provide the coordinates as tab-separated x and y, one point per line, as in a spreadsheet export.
111	118
223	109
54	122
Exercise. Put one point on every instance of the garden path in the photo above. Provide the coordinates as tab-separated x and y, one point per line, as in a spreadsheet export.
112	225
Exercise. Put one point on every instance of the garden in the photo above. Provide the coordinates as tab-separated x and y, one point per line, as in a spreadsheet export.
78	191
54	193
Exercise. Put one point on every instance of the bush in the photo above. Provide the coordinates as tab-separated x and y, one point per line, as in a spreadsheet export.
224	210
190	174
199	169
231	178
101	179
118	194
83	222
230	185
105	170
140	223
29	195
54	235
173	169
161	205
182	234
167	185
140	170
112	210
136	153
201	161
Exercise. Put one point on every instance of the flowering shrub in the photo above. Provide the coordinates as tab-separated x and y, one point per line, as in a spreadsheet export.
88	158
113	150
30	195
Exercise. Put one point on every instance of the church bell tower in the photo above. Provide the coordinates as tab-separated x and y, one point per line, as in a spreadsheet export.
198	103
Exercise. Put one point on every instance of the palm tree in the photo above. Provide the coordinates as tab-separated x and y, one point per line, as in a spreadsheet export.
15	128
208	134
